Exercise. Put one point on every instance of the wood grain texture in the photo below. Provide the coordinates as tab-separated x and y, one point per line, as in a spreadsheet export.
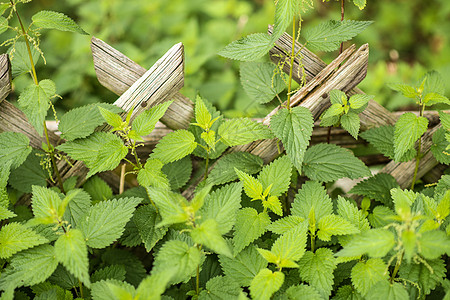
5	76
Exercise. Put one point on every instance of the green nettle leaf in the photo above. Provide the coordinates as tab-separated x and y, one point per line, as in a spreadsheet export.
6	213
109	272
152	287
439	146
28	174
242	131
359	100
381	216
171	206
55	20
408	129
285	11
174	146
243	267
178	255
146	121
34	101
71	251
283	225
435	98
360	3
178	172
15	237
106	220
202	115
302	291
20	60
249	226
274	204
290	247
407	90
433	83
146	218
327	36
14	148
294	128
98	189
46	204
432	244
3	24
100	151
383	289
248	48
334	110
265	284
366	274
209	138
220	287
426	276
252	187
151	175
350	122
317	269
222	206
111	118
334	225
328	162
377	187
351	213
223	170
82	121
277	174
260	82
374	242
382	138
312	196
29	267
208	234
445	119
112	289
77	208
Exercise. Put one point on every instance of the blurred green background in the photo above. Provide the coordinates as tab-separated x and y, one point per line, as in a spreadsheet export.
408	38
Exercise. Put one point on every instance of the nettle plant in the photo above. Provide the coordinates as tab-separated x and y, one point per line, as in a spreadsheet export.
241	235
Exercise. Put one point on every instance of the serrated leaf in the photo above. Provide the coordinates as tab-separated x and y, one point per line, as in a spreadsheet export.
439	146
381	216
116	272
328	35
100	151
77	208
291	245
382	138
223	170
334	110
242	131
285	224
432	244
207	233
312	196
359	100
3	24
171	206
209	138
294	128
202	115
383	289
82	121
15	237
350	122
14	148
252	187
377	187
249	226
112	289
146	218
20	59
328	162
151	175
29	267
302	291
433	83
146	121
366	274
285	11
178	255
317	269
360	3
106	220
248	48
260	82
5	213
71	251
153	286
222	206
407	90
274	204
243	267
29	173
351	213
46	204
55	20
98	189
374	242
34	101
408	129
135	271
435	98
178	172
445	119
265	284
174	146
220	287
334	225
277	174
111	118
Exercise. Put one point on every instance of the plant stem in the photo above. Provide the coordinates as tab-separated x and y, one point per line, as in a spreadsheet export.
313	242
52	157
291	67
397	266
122	178
419	146
81	289
206	166
342	19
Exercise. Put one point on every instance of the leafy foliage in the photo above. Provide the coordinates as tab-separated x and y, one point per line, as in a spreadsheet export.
174	146
242	131
16	237
408	129
55	20
248	48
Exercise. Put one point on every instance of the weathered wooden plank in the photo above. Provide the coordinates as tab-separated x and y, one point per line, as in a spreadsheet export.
5	76
118	73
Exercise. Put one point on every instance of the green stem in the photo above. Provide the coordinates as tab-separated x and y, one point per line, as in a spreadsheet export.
291	67
419	146
81	288
313	242
206	166
52	157
397	265
136	157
